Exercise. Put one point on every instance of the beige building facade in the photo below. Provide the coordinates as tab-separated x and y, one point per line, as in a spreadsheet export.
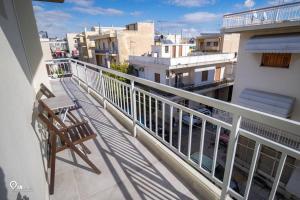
115	46
218	42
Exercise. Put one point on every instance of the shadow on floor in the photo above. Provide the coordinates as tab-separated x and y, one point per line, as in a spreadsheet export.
147	180
3	189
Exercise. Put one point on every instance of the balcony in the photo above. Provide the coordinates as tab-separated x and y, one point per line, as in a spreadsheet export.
165	150
184	62
106	51
285	15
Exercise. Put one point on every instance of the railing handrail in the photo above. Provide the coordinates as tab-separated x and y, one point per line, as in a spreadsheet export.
271	120
261	9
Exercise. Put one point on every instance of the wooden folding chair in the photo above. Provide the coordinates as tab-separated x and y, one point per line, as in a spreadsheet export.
47	93
69	136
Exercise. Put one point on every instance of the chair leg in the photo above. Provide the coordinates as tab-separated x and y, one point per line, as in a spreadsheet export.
76	150
85	149
52	161
49	150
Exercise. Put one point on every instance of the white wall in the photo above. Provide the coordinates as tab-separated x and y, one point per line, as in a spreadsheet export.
197	76
249	74
20	152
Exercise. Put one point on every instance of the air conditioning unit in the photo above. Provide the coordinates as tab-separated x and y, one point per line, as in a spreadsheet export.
141	69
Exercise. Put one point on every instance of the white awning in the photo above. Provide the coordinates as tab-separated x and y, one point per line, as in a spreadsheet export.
271	103
279	43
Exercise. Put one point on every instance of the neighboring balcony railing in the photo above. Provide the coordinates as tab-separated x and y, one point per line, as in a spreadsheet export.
174	125
269	15
106	51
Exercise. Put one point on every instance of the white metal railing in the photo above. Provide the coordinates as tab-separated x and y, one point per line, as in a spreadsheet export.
277	135
269	15
173	62
143	108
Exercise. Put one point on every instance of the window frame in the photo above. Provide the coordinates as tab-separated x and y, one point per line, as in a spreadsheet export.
206	76
277	57
166	49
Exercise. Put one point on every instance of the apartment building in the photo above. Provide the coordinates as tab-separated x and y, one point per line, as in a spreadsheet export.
86	45
171	64
72	44
168	38
115	46
217	42
267	80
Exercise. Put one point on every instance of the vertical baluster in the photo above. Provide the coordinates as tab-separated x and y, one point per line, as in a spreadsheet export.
278	175
123	97
140	112
203	127
115	91
171	125
156	122
86	78
144	101
215	155
233	138
252	169
133	106
190	135
150	113
163	121
127	101
179	130
102	88
118	93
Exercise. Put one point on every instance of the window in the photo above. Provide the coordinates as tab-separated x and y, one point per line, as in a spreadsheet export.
166	49
216	44
208	44
204	75
157	77
280	60
103	45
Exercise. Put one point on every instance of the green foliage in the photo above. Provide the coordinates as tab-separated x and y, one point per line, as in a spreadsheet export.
124	68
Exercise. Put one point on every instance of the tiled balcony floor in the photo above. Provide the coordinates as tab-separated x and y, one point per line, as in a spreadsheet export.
129	170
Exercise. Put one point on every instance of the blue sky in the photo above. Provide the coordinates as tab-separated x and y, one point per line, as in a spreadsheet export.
190	17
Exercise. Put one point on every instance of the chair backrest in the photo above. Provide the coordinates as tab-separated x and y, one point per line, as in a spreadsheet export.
45	91
50	118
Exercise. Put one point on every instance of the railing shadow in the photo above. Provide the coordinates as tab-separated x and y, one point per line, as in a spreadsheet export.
3	189
147	180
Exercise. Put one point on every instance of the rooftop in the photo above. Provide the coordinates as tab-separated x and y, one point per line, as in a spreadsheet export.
285	15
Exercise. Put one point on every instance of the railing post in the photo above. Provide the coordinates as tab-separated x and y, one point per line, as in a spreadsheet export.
133	107
102	88
86	79
233	140
77	73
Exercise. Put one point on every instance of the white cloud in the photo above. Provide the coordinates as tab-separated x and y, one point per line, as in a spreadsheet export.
88	7
37	8
98	11
249	3
55	22
191	3
135	13
200	17
85	3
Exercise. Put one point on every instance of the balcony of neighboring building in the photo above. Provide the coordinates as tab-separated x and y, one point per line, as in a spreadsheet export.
179	152
106	51
183	62
279	16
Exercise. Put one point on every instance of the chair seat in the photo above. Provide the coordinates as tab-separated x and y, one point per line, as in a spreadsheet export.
80	132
